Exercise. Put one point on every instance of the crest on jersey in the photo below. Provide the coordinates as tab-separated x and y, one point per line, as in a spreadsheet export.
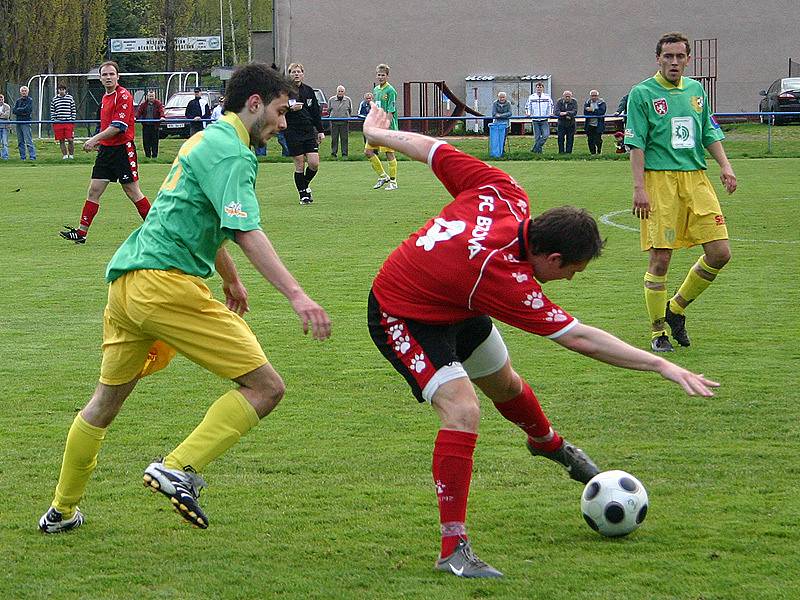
660	106
697	103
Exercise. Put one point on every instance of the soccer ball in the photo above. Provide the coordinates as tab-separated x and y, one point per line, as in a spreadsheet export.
614	503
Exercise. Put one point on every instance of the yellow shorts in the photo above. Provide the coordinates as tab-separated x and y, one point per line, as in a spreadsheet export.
685	211
150	314
378	149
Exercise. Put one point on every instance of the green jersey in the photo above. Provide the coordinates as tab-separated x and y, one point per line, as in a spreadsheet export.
208	195
671	123
386	98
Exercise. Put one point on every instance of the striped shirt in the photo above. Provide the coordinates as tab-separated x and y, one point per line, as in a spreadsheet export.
62	108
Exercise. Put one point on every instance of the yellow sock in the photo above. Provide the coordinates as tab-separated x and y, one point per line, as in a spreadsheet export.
393	168
80	459
655	298
697	280
376	165
228	419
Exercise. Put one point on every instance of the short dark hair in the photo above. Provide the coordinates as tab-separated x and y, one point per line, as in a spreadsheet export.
671	38
255	78
566	230
197	90
108	63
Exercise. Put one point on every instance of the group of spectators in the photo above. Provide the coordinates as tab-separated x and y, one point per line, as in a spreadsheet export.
540	108
22	110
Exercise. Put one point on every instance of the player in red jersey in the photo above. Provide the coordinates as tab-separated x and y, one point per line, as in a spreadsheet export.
116	153
431	308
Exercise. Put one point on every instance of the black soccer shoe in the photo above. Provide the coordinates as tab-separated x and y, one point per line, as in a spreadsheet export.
577	463
181	487
661	344
73	235
677	323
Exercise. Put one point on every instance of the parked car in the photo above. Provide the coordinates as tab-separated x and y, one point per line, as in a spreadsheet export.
323	108
175	109
782	96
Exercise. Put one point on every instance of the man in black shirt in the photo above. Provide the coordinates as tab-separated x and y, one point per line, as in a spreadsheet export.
197	109
303	133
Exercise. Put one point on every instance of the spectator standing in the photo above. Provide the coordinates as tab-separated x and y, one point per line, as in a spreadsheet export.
594	109
566	110
340	107
116	153
670	126
23	109
622	107
197	110
156	292
365	105
62	110
540	107
219	109
303	133
5	118
501	109
431	308
152	110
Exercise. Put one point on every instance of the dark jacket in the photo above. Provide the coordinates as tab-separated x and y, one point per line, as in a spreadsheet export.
590	114
307	121
501	112
568	106
158	112
195	109
23	108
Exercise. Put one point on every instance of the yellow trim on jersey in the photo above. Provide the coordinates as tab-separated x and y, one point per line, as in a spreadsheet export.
664	82
241	130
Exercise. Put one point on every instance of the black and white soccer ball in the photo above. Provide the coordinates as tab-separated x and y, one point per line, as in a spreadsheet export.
614	503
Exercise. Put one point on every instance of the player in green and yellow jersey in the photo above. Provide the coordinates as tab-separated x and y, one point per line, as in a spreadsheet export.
386	98
158	302
669	127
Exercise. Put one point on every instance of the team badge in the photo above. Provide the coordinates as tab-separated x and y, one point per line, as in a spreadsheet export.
660	106
697	103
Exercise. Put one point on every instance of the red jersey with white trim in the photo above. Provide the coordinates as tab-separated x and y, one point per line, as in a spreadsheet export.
470	260
117	109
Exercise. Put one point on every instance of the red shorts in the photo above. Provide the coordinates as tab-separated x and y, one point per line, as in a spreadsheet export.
64	131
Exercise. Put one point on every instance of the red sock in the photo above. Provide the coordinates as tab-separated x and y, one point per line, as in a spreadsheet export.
525	412
143	206
452	472
87	215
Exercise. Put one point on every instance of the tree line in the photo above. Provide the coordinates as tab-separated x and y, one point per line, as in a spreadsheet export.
72	36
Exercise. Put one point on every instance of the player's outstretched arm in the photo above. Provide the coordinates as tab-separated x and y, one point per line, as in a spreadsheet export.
377	132
601	345
259	251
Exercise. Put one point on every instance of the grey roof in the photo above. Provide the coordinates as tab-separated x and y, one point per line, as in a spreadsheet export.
491	77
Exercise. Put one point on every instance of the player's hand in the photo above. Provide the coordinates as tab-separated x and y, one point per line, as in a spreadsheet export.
641	204
320	137
236	297
728	179
313	316
90	145
692	383
376	120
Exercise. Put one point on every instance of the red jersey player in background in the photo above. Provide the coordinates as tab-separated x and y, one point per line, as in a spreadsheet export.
116	153
431	308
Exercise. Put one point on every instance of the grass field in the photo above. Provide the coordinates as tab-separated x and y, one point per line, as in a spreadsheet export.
331	496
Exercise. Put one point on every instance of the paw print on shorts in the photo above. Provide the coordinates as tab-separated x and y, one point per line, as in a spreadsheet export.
418	363
388	318
520	277
534	300
555	315
522	206
402	344
508	257
396	331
